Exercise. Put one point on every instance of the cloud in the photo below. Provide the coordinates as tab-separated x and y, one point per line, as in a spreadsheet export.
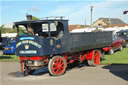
34	8
62	10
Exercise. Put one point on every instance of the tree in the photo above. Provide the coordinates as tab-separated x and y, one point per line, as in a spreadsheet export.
2	27
34	18
7	30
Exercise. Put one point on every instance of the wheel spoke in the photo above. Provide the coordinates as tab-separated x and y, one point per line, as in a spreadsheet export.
62	64
62	68
55	64
55	68
60	61
57	71
57	61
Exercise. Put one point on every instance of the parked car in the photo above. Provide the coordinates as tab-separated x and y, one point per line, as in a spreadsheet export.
116	45
3	42
123	34
10	48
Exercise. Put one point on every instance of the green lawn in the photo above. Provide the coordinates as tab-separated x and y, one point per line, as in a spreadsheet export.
10	58
119	57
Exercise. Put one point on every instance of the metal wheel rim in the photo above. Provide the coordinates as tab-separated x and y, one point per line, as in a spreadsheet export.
58	66
96	57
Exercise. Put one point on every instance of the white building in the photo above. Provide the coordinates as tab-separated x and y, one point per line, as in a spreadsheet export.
9	34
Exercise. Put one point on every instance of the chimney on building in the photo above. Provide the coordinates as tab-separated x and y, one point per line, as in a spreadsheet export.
29	17
109	21
121	18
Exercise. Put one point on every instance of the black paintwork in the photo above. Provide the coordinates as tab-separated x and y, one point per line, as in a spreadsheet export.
68	43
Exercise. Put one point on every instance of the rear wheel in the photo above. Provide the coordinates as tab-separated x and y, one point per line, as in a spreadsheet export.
95	58
57	66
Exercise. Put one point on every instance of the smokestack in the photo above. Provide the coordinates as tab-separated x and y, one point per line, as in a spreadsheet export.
29	17
109	21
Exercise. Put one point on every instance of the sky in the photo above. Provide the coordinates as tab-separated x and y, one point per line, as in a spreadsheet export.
76	11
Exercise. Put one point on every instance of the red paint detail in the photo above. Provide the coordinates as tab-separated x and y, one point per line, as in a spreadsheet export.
58	66
71	61
22	58
106	49
22	66
31	58
35	58
96	57
45	60
89	55
83	57
75	56
66	57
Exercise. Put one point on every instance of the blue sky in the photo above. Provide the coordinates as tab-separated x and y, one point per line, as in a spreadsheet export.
77	11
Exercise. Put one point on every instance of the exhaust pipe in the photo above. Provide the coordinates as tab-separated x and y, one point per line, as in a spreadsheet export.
29	17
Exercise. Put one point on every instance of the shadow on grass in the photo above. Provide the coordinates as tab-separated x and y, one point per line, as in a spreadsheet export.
6	57
120	70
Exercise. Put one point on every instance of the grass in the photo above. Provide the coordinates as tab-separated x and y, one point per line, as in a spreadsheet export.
119	57
9	58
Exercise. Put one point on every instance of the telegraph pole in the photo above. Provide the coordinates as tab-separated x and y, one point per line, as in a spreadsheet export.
85	21
91	15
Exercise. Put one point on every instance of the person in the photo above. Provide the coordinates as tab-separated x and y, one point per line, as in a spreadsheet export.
30	30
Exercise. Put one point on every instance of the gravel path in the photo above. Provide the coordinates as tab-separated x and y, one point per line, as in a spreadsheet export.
101	75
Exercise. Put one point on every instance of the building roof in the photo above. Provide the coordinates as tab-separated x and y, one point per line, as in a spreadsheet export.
112	20
115	25
71	27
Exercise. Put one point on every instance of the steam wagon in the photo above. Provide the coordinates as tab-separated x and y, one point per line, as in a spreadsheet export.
49	43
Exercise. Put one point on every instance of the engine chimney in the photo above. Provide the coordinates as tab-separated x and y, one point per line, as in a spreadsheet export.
29	17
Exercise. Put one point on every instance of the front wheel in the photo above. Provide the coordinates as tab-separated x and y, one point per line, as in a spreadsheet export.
57	66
